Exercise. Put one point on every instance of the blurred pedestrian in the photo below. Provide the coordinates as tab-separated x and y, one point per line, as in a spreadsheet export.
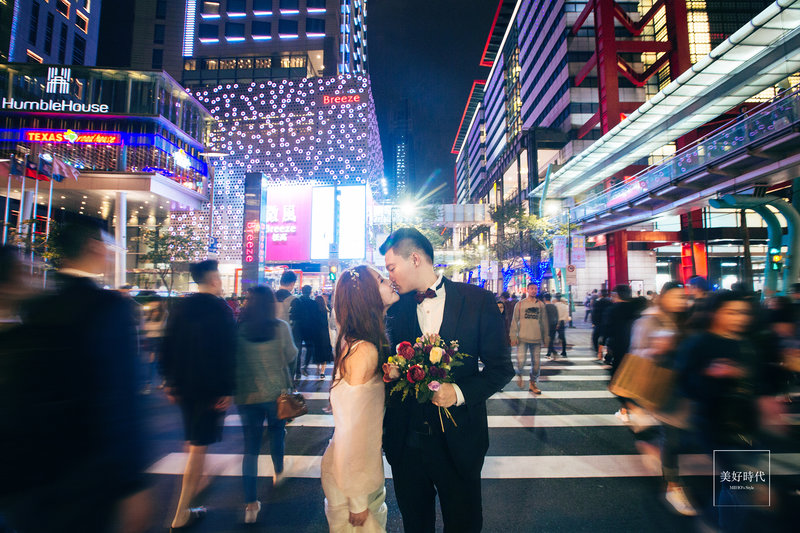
323	351
305	317
587	304
718	373
561	327
655	337
198	363
14	286
551	311
618	321
76	431
265	357
599	309
285	295
501	306
155	321
529	329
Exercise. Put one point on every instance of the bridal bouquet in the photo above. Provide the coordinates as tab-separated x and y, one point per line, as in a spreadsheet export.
422	367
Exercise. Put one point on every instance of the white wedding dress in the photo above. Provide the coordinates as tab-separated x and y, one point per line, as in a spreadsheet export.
352	466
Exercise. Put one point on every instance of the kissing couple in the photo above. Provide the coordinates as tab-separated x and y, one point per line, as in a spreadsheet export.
427	457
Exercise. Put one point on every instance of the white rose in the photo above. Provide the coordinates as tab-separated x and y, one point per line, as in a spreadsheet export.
436	355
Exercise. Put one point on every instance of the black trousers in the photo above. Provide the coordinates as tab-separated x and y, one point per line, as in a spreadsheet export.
426	470
562	326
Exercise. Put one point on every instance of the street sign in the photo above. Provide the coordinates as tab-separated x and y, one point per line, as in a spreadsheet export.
572	275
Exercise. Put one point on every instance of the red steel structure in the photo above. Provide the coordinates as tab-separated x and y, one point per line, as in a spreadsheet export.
675	51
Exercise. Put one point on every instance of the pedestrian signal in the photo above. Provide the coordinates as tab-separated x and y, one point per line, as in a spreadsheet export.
332	272
775	259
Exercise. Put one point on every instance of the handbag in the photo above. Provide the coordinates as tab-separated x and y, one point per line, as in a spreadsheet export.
642	380
291	405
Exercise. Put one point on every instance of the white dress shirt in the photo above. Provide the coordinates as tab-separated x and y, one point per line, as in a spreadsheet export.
430	314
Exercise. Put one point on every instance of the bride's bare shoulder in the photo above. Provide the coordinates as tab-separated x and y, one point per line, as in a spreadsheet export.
362	363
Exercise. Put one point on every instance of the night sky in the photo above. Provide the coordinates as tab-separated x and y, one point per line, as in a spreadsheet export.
427	51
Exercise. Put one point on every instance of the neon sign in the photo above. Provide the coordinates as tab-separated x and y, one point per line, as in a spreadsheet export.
343	99
181	159
250	241
72	137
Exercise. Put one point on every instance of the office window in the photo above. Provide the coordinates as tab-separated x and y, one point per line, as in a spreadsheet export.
227	64
62	44
158	59
290	7
190	64
210	64
315	27
62	6
158	34
78	50
48	34
236	7
210	8
315	6
262	7
208	31
263	62
33	57
87	5
246	63
161	9
33	30
82	21
287	28
234	31
260	30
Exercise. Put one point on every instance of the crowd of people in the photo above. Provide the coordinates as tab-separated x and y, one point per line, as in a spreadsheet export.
693	370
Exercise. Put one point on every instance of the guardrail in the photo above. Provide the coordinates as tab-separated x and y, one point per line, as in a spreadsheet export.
780	114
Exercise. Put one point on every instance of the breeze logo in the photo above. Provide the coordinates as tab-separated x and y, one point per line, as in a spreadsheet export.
58	80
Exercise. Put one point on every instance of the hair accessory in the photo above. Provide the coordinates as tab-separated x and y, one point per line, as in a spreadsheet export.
354	273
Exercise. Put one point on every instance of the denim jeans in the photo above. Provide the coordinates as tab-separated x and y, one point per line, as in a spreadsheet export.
535	350
253	416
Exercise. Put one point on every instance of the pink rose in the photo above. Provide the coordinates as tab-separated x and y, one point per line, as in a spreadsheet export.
405	350
390	372
434	386
415	374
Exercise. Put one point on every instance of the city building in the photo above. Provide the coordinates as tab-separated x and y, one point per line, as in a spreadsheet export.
136	138
401	143
562	75
52	32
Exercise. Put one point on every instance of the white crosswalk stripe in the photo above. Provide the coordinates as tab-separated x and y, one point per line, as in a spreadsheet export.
495	467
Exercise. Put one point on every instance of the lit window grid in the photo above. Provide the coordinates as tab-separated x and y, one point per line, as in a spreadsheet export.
280	129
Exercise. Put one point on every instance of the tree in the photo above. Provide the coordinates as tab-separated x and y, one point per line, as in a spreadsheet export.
42	247
518	230
168	247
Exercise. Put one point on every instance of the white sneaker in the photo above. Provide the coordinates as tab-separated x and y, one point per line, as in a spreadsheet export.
250	517
677	498
624	417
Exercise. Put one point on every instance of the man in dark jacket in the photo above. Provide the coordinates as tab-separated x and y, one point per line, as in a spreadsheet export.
79	436
618	322
599	308
307	323
198	361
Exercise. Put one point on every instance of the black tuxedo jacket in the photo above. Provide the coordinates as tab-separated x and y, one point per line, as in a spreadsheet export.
470	317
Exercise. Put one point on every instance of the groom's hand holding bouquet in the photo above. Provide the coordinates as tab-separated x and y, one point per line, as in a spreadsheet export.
424	369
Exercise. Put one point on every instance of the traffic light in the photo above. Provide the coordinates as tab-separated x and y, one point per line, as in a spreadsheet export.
332	272
775	259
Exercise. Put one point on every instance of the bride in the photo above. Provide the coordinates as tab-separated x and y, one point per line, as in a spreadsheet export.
352	466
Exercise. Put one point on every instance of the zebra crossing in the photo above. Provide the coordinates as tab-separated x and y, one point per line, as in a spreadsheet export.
565	443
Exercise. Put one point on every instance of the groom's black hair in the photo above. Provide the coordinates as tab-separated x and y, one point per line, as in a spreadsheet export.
405	240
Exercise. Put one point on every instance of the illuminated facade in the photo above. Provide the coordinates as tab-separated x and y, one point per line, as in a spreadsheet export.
52	32
312	132
135	137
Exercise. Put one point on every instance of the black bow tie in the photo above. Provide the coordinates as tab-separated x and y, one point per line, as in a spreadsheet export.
420	296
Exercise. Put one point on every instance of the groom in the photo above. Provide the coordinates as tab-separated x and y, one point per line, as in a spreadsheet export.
426	461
